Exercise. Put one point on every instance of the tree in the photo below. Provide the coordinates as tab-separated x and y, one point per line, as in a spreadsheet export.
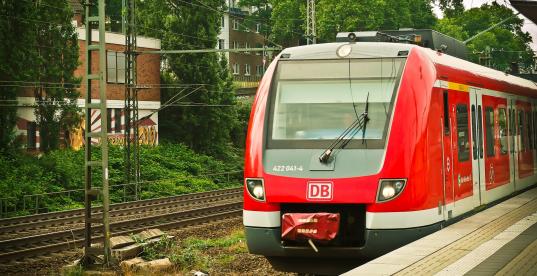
451	8
371	15
288	22
205	127
508	43
16	34
259	17
56	59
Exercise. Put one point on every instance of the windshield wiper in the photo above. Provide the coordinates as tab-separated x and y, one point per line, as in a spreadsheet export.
359	124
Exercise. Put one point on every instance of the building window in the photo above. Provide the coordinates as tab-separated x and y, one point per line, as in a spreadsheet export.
115	69
247	69
259	70
463	137
258	28
222	22
235	44
247	45
258	45
235	69
117	120
221	44
31	134
235	24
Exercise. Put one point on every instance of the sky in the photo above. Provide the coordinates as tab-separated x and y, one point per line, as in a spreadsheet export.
528	25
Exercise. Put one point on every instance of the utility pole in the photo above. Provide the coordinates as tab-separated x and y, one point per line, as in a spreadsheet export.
92	191
311	34
131	142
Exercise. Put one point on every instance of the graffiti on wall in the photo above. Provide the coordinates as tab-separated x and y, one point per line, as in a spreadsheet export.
147	133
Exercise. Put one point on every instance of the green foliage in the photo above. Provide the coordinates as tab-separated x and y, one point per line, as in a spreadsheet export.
288	20
157	250
16	62
289	17
55	61
167	169
204	118
507	42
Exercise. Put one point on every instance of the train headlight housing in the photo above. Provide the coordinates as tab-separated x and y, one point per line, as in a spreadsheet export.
255	188
390	189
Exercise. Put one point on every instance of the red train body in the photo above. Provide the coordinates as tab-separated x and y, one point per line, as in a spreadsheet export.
453	134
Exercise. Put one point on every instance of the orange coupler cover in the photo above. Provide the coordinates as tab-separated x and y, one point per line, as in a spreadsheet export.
314	226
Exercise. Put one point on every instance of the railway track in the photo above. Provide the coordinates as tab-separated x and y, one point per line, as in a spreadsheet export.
164	213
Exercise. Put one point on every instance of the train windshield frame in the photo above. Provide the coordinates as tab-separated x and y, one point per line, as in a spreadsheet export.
313	101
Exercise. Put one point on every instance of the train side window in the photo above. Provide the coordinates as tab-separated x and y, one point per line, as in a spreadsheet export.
480	131
502	122
512	122
463	140
521	130
446	113
474	133
529	128
489	130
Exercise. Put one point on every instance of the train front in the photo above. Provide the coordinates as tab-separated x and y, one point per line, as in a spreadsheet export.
315	154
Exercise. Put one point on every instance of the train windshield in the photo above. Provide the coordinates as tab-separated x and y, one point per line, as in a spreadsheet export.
314	101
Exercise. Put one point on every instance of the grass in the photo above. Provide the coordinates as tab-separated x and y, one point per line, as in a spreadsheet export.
203	254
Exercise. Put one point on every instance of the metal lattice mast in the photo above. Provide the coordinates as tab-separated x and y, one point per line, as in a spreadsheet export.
132	145
94	192
311	33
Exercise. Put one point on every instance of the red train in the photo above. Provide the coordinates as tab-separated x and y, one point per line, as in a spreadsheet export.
395	139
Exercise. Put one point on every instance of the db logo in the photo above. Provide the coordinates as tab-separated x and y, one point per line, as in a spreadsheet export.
320	191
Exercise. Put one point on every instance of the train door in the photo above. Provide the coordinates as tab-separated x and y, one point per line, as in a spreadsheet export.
513	142
447	156
478	171
496	157
525	147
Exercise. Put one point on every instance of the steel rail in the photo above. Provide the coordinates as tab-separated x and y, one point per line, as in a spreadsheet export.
39	245
9	222
134	209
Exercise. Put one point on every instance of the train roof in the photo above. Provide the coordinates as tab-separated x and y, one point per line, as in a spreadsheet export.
387	49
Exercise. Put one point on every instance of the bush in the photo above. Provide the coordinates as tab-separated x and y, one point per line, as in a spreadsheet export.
166	170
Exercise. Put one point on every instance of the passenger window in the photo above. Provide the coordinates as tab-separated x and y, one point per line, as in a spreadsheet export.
521	130
474	134
503	130
446	113
463	140
489	130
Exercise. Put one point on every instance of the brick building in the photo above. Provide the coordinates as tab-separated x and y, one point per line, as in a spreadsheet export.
246	67
148	74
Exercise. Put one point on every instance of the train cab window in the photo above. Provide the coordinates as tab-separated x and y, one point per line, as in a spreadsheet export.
463	139
522	143
474	134
502	122
313	102
489	130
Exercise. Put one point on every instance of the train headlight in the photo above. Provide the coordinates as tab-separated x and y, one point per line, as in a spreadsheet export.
255	188
390	189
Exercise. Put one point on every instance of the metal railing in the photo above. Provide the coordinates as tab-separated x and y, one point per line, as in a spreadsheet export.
246	81
36	203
